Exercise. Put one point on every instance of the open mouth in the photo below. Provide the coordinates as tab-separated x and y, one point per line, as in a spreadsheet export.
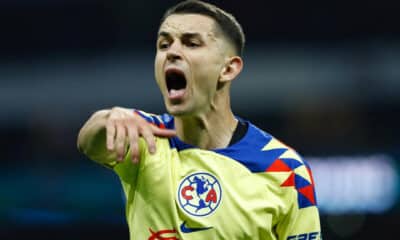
176	83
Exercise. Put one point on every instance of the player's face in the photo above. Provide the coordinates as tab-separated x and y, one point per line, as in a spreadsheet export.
189	60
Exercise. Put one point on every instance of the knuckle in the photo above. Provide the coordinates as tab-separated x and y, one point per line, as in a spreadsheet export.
115	108
147	133
133	139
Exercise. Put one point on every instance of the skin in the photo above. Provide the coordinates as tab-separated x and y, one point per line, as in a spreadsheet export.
193	45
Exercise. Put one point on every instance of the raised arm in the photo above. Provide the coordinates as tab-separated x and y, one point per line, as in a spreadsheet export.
106	136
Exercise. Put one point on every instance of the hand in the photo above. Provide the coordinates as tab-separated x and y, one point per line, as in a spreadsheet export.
124	126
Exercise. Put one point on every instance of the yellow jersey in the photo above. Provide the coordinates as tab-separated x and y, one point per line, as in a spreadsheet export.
257	188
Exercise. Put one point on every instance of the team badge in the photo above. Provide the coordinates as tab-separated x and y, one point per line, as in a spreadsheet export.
199	194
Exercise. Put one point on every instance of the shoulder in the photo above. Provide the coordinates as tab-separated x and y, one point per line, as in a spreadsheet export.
281	165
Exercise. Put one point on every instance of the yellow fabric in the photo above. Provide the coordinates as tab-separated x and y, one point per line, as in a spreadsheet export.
250	205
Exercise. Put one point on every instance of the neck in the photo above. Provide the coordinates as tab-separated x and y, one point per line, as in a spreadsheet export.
209	130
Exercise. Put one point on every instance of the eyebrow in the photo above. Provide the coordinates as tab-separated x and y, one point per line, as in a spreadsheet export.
184	35
163	34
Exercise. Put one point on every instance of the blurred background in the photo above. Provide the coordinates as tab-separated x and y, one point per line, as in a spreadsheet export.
322	76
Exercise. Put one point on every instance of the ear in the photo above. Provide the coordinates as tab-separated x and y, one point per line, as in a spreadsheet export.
233	67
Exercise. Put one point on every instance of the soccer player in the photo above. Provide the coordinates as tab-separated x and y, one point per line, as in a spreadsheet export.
201	172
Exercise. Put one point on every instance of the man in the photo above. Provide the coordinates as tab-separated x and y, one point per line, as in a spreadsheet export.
200	172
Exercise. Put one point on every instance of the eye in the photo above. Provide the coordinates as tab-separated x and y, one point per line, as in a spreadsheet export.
164	44
193	44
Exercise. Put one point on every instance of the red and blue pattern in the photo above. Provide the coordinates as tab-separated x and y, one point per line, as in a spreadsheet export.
299	175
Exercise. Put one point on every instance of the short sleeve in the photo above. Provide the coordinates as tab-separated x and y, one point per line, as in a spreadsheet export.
301	220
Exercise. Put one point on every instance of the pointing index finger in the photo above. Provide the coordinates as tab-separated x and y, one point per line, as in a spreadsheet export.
163	132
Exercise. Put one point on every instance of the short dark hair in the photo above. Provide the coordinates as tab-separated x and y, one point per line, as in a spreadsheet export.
226	22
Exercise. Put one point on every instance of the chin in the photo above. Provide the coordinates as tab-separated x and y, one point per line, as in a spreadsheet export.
177	113
178	110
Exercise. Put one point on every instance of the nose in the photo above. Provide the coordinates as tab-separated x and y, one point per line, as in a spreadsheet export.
174	52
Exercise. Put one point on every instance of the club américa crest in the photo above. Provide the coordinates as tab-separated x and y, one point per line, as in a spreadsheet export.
199	194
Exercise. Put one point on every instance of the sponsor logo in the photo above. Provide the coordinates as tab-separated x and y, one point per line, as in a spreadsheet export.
186	229
167	234
199	194
306	236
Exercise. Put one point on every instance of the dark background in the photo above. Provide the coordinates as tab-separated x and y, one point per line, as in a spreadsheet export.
322	76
